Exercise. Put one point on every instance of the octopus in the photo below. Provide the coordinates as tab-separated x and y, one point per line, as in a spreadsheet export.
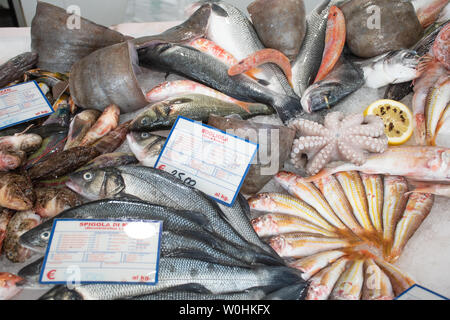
341	138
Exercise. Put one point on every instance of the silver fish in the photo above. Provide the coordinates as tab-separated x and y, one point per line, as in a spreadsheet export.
146	147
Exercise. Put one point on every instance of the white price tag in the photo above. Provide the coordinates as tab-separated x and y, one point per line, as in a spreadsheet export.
22	102
106	251
206	158
417	292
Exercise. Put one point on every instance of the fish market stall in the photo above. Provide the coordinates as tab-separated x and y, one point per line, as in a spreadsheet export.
349	183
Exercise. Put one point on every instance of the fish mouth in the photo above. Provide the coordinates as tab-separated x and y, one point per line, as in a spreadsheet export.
73	186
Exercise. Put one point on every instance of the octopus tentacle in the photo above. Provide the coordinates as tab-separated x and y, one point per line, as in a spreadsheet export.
352	120
333	120
309	128
317	162
309	145
370	144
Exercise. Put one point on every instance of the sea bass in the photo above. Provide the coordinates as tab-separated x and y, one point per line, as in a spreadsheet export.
206	69
418	163
146	147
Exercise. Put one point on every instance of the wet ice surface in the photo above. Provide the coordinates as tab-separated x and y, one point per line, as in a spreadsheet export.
425	258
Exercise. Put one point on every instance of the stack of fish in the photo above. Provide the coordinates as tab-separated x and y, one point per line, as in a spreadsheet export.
207	251
343	231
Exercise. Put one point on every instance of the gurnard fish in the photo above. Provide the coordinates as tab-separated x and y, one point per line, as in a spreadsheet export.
79	126
417	209
399	280
260	58
334	42
344	79
395	189
8	288
19	224
297	245
350	283
428	11
322	283
354	190
107	122
146	147
377	285
437	102
16	191
5	217
308	61
330	187
393	67
313	264
373	185
15	68
214	277
272	224
52	201
280	24
167	90
229	28
306	191
162	115
211	48
418	163
281	203
206	69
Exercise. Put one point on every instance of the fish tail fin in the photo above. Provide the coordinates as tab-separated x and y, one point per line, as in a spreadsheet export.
288	107
286	276
293	292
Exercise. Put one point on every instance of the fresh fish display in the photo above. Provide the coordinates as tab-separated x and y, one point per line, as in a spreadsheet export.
335	195
166	90
334	42
16	191
8	288
19	224
437	102
417	209
114	159
322	284
145	146
112	140
428	11
296	245
80	126
416	164
393	25
390	68
271	224
377	285
312	264
15	68
354	190
52	201
5	217
308	61
280	25
350	283
344	79
162	115
14	149
206	69
373	185
107	122
229	28
280	203
310	194
399	280
262	57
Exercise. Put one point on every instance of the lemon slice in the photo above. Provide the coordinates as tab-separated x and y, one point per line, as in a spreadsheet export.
397	117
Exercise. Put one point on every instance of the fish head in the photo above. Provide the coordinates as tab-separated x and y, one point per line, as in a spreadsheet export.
145	120
262	202
285	179
8	287
319	96
18	192
278	243
37	238
30	142
144	143
97	183
61	293
11	160
263	223
402	64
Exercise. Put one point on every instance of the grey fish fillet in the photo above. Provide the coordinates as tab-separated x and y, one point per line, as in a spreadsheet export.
208	70
178	271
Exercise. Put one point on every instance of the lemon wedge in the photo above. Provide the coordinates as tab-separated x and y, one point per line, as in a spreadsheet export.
398	120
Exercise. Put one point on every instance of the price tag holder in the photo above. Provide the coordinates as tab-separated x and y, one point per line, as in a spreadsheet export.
206	158
21	103
102	251
417	292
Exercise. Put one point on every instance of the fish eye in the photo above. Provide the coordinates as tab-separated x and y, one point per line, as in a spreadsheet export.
88	176
144	121
144	135
45	235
